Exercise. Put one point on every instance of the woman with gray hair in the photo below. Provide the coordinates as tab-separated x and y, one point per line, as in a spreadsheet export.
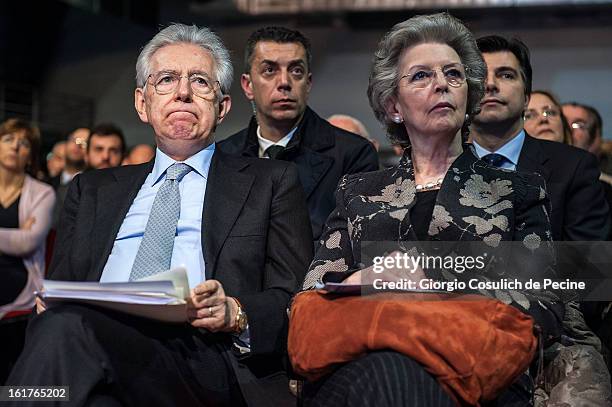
426	83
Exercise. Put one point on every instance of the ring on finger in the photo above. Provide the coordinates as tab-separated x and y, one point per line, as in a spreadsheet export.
210	311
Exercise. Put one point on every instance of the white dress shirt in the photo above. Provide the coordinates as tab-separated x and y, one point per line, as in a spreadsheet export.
265	143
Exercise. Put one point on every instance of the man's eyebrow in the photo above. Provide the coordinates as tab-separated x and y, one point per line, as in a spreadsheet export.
505	68
198	72
290	63
297	62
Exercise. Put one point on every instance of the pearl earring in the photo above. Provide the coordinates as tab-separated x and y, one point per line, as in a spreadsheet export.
397	119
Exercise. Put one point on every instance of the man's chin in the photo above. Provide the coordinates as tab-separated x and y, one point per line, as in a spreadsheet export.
490	117
285	115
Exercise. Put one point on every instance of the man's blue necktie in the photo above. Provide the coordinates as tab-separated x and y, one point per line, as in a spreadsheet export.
155	251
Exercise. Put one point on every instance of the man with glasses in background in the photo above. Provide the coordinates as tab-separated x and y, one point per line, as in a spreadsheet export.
239	226
586	124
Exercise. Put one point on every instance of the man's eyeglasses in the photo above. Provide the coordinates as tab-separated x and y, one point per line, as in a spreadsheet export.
421	77
579	125
548	112
166	82
79	141
10	138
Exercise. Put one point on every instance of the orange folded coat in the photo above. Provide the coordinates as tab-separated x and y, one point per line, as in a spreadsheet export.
475	346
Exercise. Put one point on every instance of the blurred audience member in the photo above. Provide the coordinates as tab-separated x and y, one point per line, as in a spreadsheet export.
586	124
544	119
26	205
349	123
106	147
139	154
56	159
76	145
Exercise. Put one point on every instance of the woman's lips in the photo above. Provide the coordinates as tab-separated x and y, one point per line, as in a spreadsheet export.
443	106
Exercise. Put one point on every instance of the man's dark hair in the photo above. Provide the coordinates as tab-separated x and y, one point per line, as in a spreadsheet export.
596	125
496	43
275	34
107	129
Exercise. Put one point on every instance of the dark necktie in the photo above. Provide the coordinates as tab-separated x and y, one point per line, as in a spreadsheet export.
495	160
273	151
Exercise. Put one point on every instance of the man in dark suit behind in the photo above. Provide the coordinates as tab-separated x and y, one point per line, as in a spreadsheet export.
579	209
277	80
242	231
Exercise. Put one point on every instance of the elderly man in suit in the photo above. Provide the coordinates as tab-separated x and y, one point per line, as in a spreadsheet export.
277	81
239	225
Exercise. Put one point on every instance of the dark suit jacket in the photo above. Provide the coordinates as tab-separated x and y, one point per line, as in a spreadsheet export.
476	203
323	154
579	208
255	235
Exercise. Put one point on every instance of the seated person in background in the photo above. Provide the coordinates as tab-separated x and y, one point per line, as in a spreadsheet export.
56	159
349	123
106	147
277	81
239	225
586	124
579	210
425	86
76	146
26	206
544	119
139	154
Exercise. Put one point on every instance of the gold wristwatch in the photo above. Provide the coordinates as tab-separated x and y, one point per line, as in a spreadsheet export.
241	317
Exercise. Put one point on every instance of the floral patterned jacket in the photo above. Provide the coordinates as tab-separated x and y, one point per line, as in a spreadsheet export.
476	202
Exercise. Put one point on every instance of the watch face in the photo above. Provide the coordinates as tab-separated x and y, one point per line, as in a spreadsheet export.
242	321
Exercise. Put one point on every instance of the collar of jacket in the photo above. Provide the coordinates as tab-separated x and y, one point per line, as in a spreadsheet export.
309	135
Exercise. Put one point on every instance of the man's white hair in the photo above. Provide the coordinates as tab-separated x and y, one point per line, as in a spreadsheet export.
190	34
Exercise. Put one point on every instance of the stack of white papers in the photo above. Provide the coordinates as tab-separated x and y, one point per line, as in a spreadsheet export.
161	296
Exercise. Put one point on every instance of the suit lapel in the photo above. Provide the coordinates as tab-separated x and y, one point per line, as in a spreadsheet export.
312	166
533	158
113	202
305	148
226	192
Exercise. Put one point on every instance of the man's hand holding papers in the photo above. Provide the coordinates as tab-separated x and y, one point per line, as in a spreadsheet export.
161	296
